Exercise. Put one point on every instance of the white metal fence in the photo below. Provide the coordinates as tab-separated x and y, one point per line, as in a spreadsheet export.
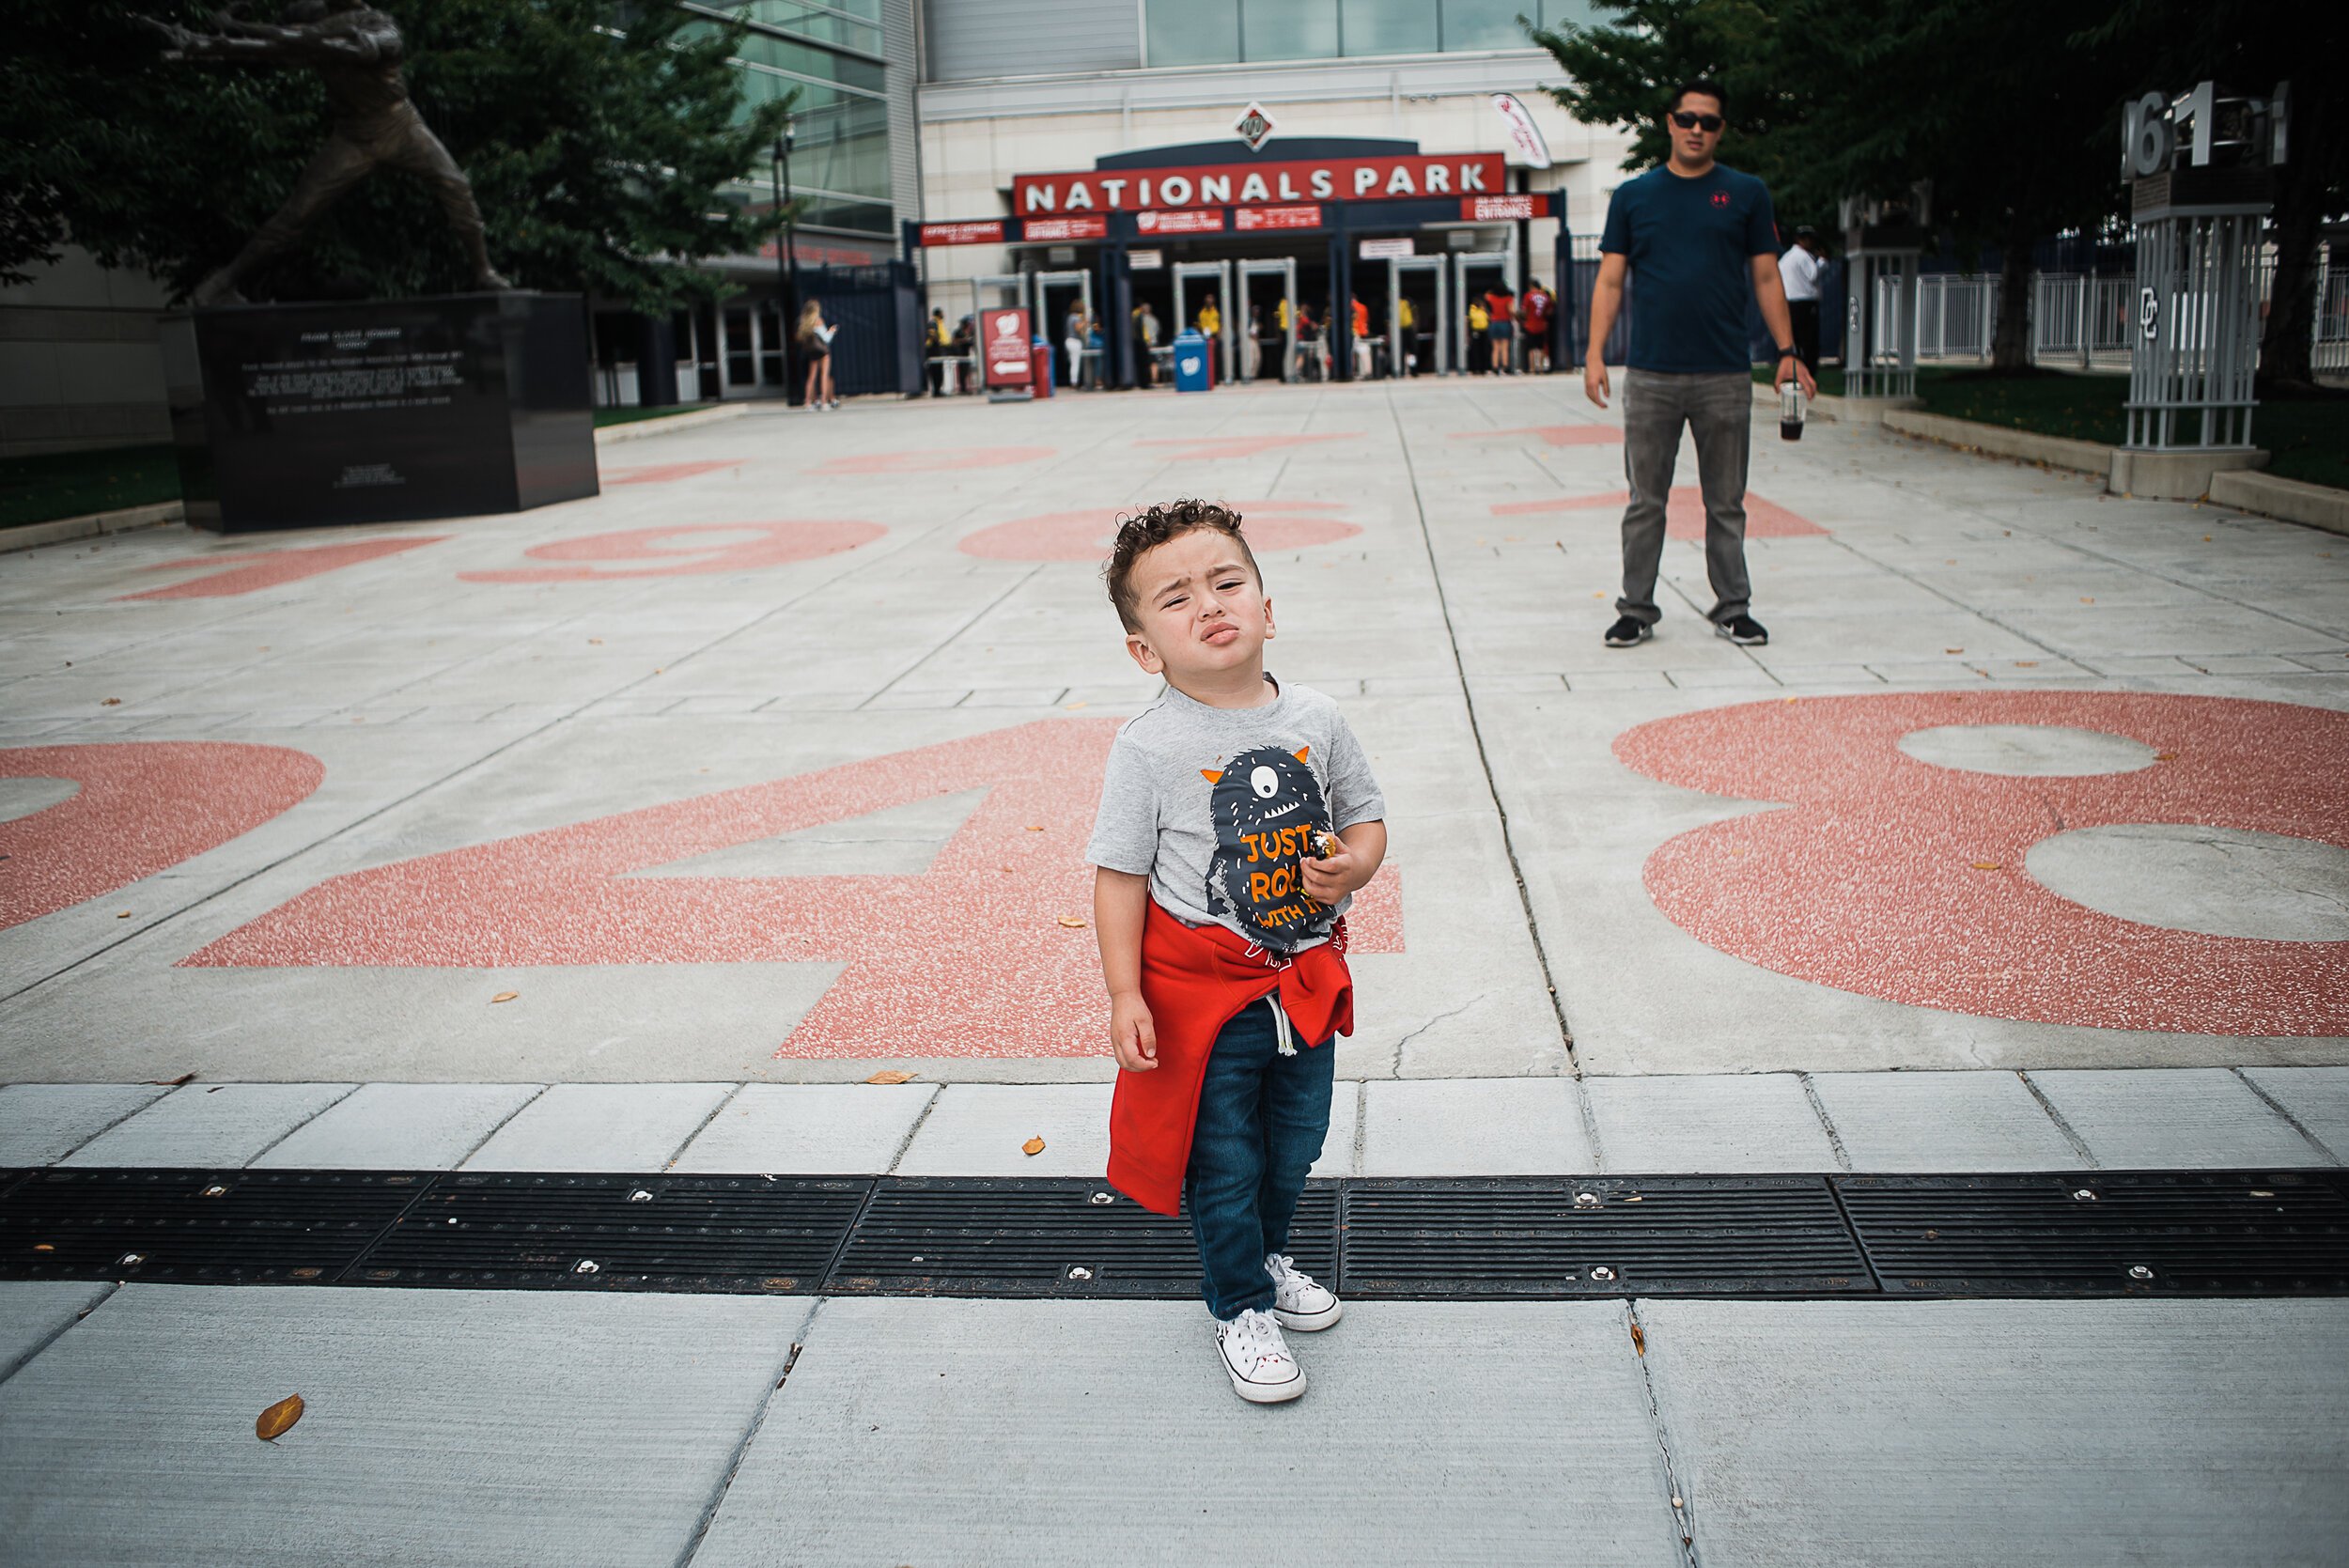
2086	321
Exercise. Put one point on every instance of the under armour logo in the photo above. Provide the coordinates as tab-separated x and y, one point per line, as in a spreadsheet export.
1720	198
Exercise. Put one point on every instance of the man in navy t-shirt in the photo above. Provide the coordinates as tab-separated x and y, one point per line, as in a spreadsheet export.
1698	239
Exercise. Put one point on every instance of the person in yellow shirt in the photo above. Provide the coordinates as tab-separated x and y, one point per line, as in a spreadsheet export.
1211	328
1407	328
1480	343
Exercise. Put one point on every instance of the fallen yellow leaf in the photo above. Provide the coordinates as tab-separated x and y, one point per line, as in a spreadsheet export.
1986	866
1638	1339
890	1075
278	1418
504	995
110	702
124	915
1036	827
1074	922
2084	600
1952	651
1033	1146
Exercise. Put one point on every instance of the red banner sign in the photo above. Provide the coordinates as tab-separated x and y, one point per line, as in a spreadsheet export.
1096	227
1303	180
1006	335
986	232
1247	218
1210	222
1493	210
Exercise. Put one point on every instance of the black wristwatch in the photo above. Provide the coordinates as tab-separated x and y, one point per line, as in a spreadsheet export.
1786	353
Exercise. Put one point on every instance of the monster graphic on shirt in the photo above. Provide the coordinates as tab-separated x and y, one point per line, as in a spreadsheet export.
1270	815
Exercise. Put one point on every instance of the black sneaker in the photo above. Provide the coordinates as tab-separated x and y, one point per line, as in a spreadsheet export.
1744	630
1628	631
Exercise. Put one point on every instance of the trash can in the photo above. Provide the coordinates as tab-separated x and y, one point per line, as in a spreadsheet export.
1190	361
1040	356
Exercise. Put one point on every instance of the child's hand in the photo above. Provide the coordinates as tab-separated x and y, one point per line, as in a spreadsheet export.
1132	1034
1339	869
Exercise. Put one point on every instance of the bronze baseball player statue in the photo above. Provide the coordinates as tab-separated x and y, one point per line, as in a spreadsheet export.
356	49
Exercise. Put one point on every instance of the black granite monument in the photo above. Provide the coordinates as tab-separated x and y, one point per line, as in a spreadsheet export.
296	416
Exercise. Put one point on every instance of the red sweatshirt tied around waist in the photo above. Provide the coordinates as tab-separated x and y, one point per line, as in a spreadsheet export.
1195	980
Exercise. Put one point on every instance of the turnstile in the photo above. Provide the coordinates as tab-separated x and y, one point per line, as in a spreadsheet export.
1217	273
1283	270
1433	325
1050	323
1464	290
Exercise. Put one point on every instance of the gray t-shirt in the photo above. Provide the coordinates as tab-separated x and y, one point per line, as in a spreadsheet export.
1216	806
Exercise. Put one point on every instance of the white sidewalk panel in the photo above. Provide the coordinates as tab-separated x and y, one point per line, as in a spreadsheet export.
809	1129
1003	1432
43	1123
2175	1116
600	1126
34	1311
400	1127
978	1129
1716	1121
2317	1097
1474	1128
1984	1121
440	1426
210	1124
2028	1433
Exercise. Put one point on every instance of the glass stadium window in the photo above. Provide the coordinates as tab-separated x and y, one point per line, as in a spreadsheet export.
1288	29
1390	27
1193	32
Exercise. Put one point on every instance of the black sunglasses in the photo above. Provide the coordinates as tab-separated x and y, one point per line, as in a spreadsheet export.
1686	122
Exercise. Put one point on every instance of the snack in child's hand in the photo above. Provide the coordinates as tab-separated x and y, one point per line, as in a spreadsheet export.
1325	845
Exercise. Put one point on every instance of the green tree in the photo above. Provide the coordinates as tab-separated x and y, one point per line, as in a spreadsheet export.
597	156
2029	152
2251	46
1619	73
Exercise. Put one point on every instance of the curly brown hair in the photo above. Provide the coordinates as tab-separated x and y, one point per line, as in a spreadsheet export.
1154	526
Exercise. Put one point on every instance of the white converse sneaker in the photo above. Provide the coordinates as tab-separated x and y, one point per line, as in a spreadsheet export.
1299	1300
1263	1370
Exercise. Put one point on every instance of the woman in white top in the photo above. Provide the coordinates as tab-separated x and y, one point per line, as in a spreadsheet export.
816	336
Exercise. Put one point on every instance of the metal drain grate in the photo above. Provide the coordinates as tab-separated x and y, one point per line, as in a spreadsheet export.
2105	1232
507	1231
274	1226
2175	1233
1042	1236
1601	1236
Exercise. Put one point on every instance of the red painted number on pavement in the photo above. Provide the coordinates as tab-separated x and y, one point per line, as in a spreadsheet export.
1086	535
1684	513
969	958
684	550
940	460
1237	446
143	807
1896	878
1554	435
268	568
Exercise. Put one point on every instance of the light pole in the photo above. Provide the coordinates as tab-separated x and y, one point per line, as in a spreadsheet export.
787	263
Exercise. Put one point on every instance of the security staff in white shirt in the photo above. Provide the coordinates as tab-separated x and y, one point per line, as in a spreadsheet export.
1799	269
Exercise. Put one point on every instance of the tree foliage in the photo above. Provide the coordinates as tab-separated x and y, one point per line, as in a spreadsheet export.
596	156
2009	107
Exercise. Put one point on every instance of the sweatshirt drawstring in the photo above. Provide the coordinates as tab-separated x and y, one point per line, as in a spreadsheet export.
1285	1041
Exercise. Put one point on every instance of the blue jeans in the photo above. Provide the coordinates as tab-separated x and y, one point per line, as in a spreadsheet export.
1262	1117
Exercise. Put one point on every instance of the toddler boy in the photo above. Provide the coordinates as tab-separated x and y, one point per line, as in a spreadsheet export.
1237	819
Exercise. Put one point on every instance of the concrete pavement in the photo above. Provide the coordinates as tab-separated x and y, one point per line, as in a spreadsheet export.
634	833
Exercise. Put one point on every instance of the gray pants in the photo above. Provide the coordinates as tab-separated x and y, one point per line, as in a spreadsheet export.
1719	411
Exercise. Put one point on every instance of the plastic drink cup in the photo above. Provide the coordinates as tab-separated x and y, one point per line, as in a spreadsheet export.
1789	411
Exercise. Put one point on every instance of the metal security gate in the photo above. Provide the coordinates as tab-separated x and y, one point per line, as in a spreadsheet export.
1050	324
1432	268
1218	273
1464	294
1283	270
